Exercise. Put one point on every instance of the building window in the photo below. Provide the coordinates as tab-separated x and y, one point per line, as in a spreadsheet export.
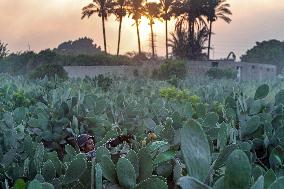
268	69
252	67
215	64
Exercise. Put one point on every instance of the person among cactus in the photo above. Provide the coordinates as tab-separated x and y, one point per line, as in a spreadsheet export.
86	143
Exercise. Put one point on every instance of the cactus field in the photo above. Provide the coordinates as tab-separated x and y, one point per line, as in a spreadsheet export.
198	134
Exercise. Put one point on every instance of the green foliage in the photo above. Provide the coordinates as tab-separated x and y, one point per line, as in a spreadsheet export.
217	73
261	92
50	71
103	81
197	158
171	68
80	46
232	142
191	182
126	173
238	171
153	183
3	50
172	93
74	170
266	52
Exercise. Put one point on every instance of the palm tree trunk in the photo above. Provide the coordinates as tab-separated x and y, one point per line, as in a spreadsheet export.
138	36
152	39
167	52
119	33
209	41
104	33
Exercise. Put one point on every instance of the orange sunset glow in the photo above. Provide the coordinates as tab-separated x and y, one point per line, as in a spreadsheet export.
45	24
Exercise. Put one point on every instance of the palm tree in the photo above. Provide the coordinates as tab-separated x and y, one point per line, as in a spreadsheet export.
119	11
180	42
166	15
136	9
152	11
103	8
216	9
190	14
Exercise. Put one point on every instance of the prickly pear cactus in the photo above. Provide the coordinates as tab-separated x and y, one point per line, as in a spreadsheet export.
132	156
145	164
153	182
238	171
196	157
100	152
48	171
125	173
108	169
261	92
38	157
75	169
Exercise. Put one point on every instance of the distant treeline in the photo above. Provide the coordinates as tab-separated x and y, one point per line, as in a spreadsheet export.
81	52
267	52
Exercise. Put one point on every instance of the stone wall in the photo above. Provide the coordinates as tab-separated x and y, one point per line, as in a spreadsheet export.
247	71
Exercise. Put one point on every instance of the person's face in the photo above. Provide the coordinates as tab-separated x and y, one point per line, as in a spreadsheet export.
89	146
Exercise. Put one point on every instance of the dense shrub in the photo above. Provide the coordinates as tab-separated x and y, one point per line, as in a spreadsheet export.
171	68
172	93
103	81
217	73
49	70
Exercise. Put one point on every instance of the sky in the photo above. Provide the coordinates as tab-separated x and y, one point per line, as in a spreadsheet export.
41	24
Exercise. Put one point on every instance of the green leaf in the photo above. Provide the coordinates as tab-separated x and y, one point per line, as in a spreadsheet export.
75	169
279	97
46	185
211	119
35	184
145	164
100	152
269	178
48	171
196	157
38	157
220	183
187	182
250	126
238	171
20	184
223	156
126	173
164	156
154	182
259	184
277	184
99	176
108	169
261	92
132	156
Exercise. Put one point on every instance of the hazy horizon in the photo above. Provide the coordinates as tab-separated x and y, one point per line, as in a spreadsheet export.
45	25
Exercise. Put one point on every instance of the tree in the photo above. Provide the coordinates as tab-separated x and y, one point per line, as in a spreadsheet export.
152	11
190	14
80	46
266	52
103	8
166	15
136	9
216	9
183	48
3	50
119	11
